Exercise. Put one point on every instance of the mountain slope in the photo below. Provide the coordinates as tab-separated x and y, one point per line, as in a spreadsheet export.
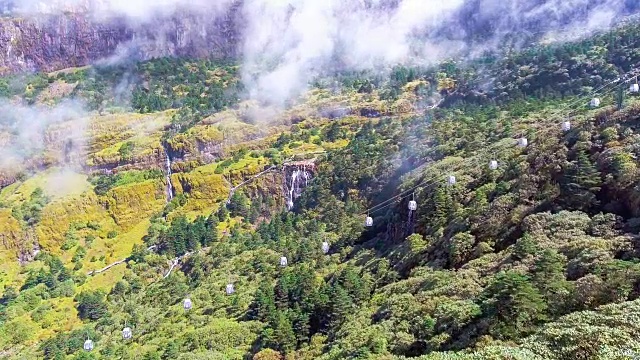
536	258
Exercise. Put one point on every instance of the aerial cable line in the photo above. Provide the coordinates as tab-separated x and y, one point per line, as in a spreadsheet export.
457	167
406	193
580	98
430	180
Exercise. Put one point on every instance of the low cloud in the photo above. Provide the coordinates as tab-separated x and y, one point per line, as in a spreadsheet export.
287	43
34	134
134	10
284	44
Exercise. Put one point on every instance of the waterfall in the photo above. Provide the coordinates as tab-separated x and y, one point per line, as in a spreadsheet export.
292	188
168	175
300	177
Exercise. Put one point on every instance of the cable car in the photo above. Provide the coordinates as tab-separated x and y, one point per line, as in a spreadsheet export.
566	126
187	304
523	142
88	345
127	333
230	289
634	88
451	180
283	261
413	205
368	222
595	102
493	165
325	247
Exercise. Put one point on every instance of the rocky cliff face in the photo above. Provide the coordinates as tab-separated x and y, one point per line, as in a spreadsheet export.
67	33
52	42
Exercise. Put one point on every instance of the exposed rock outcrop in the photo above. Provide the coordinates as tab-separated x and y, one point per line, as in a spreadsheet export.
68	33
55	41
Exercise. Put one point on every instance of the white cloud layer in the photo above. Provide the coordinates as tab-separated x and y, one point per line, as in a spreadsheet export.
29	130
285	43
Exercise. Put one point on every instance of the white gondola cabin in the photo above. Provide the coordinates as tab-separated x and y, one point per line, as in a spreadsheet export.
88	345
594	103
493	165
127	333
325	247
283	261
523	142
413	206
634	88
566	126
368	222
187	304
230	289
451	180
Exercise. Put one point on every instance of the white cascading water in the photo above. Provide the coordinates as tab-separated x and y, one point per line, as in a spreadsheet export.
299	180
168	173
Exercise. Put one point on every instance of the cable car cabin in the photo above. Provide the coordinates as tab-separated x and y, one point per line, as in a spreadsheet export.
634	88
187	304
493	165
325	247
523	142
451	180
595	102
88	345
413	206
566	126
368	222
127	333
230	289
283	261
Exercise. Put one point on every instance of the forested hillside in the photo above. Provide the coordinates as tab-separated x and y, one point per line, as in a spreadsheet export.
523	243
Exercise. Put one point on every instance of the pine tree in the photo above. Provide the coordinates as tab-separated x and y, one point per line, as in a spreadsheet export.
620	96
211	230
442	203
582	183
180	235
341	306
212	221
199	230
549	278
352	281
91	305
301	325
64	274
223	213
549	268
239	204
281	292
9	295
587	175
50	280
512	306
193	269
283	333
264	305
171	351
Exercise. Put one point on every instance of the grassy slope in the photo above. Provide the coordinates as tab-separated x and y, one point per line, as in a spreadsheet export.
126	209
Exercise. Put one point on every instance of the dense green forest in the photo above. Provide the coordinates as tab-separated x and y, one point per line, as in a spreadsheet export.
535	258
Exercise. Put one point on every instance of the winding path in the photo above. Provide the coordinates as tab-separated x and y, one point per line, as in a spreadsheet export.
95	272
233	189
